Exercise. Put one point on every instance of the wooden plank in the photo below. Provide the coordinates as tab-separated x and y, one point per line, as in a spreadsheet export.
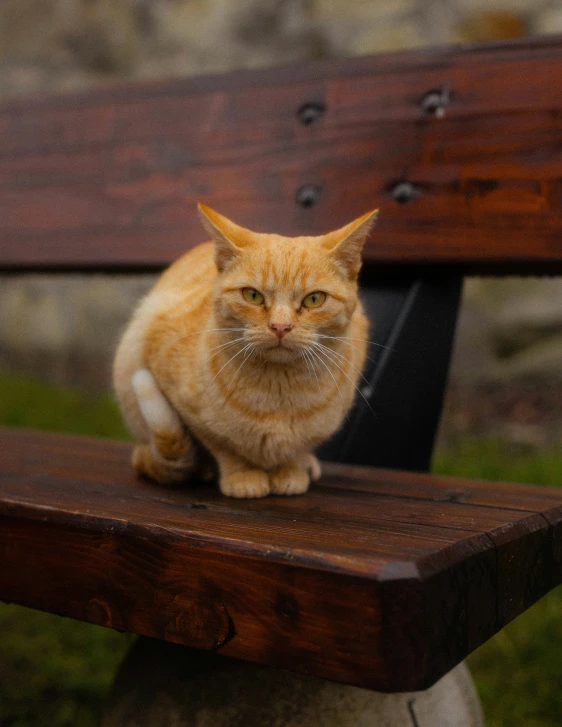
376	578
111	177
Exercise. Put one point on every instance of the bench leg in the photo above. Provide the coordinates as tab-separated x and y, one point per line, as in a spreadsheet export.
167	685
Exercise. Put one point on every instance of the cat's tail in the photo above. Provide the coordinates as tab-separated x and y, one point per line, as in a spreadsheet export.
170	456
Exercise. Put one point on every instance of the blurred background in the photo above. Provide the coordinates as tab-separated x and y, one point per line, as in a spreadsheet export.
503	415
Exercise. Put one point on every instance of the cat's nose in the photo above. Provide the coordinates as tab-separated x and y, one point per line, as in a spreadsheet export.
281	328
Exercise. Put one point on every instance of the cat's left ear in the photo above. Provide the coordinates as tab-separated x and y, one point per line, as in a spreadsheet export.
346	244
228	237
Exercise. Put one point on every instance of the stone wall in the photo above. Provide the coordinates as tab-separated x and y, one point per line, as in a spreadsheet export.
66	327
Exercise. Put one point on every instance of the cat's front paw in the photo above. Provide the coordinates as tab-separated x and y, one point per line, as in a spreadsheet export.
292	480
245	484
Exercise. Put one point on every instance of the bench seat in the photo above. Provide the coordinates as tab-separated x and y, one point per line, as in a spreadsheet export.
382	579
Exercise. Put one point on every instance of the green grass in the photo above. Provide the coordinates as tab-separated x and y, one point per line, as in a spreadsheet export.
28	402
494	459
518	673
55	672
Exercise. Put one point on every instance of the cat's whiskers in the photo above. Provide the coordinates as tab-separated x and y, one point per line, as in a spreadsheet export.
308	358
315	355
323	350
226	364
342	357
246	358
349	338
225	345
306	361
210	330
346	343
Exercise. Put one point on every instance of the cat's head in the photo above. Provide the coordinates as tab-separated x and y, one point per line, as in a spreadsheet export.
285	292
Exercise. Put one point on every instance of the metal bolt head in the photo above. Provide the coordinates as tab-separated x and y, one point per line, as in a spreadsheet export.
308	195
435	102
403	192
311	112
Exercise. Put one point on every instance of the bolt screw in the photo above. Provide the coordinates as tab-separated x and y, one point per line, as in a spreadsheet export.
403	192
308	195
435	102
311	112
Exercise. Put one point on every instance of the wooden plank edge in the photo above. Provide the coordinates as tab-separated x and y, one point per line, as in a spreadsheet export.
400	632
392	269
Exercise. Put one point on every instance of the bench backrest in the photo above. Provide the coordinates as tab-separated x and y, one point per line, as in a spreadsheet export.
460	148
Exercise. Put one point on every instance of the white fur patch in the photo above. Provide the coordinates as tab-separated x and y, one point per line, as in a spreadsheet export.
156	410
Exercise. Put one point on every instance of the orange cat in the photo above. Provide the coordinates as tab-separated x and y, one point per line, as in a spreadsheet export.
248	349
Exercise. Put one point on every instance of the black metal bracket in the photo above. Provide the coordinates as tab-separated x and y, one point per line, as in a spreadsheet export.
394	419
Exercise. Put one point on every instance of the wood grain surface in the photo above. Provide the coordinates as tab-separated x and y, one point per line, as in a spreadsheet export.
377	578
111	177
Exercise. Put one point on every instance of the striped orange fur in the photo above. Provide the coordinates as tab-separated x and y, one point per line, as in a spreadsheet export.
246	354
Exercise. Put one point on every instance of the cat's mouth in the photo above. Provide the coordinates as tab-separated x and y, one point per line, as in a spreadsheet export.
281	351
280	343
283	348
280	346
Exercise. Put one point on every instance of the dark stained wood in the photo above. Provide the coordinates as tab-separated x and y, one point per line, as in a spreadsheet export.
376	578
112	177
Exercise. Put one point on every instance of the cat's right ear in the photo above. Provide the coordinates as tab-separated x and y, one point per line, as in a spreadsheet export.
227	236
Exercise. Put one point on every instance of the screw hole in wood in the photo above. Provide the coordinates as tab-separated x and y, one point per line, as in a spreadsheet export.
308	195
311	112
435	102
403	192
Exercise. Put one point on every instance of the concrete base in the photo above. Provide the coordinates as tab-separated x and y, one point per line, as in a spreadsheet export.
163	685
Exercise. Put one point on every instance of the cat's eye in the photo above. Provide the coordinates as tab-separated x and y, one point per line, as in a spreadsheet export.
252	296
314	300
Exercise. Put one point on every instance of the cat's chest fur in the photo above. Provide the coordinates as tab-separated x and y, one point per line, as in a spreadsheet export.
265	417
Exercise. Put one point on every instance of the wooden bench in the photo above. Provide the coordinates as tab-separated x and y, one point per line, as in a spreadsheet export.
383	576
